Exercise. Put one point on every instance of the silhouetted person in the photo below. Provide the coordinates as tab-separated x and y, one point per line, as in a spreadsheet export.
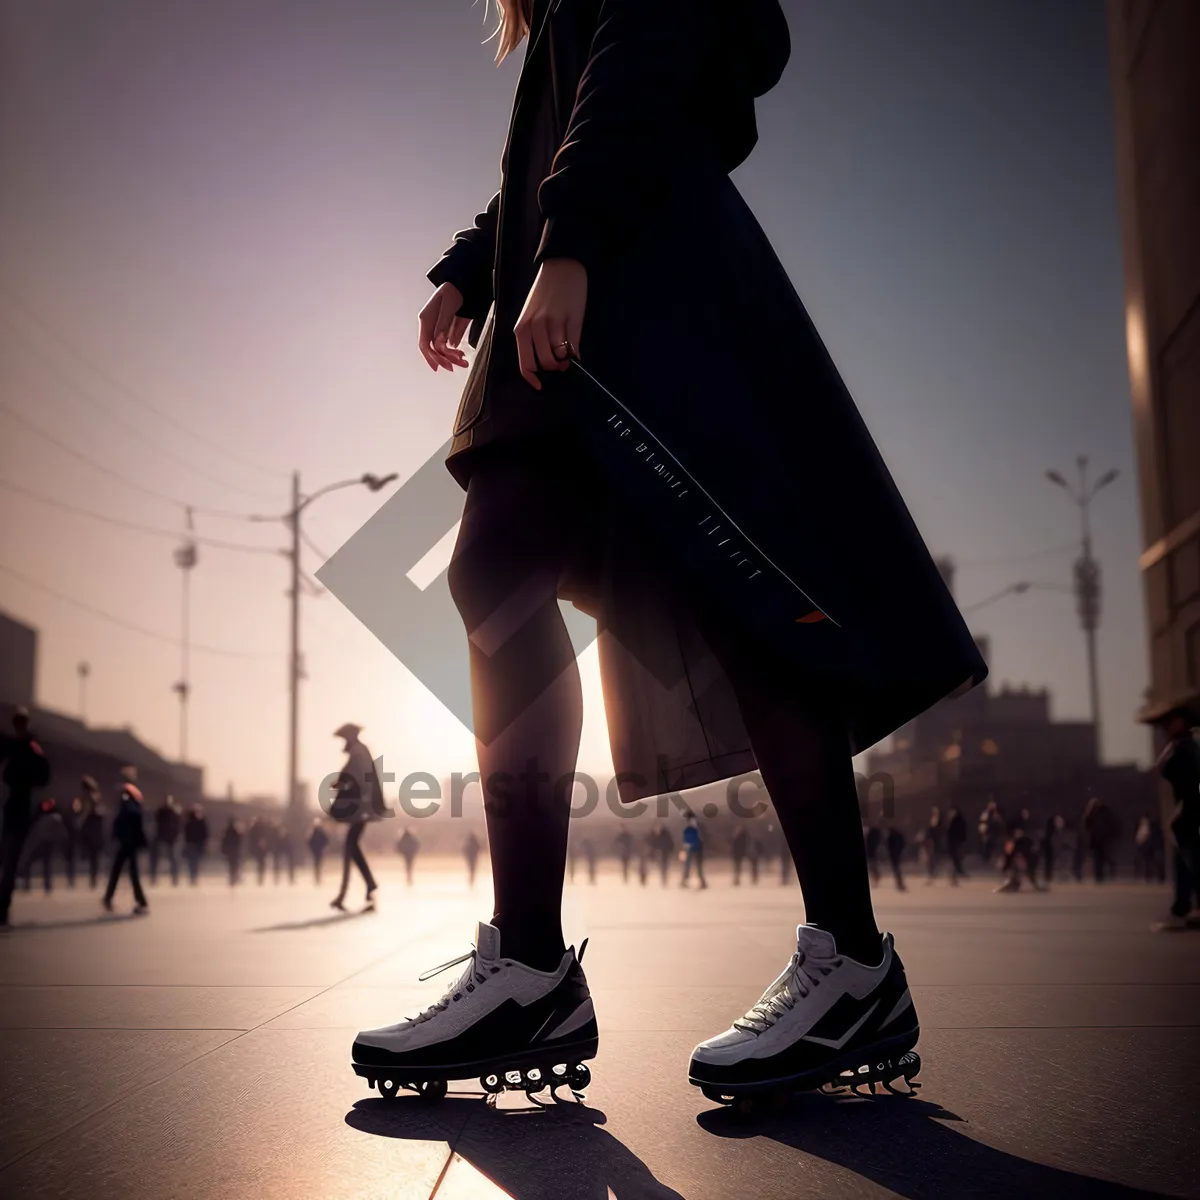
895	852
1179	765
738	849
318	843
282	855
26	768
72	816
991	832
933	844
589	856
130	835
665	848
956	842
624	844
755	857
91	828
168	822
195	842
873	843
1049	856
407	848
258	847
1020	861
232	841
693	852
471	848
1099	831
359	797
47	837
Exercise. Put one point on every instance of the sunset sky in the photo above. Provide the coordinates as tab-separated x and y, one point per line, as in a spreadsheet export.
215	221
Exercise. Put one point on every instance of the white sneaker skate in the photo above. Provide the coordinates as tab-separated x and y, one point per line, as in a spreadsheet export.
503	1022
825	1020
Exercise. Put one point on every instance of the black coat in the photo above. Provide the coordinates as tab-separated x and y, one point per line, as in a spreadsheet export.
650	104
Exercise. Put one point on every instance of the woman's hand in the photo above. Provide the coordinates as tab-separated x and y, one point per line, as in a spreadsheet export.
440	329
551	323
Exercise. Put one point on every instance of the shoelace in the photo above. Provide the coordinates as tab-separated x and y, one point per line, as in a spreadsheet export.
466	982
798	979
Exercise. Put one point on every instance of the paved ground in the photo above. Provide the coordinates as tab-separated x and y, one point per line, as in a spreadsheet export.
203	1051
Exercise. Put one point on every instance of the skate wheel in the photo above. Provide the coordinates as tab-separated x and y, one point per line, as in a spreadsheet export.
492	1084
579	1076
388	1088
532	1080
431	1091
745	1106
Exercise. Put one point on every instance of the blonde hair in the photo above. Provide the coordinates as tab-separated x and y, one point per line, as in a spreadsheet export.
513	25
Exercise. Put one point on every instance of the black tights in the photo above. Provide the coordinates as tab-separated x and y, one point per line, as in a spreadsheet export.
518	533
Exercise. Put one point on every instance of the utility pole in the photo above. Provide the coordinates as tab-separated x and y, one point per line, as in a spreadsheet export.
291	518
186	557
1087	576
294	656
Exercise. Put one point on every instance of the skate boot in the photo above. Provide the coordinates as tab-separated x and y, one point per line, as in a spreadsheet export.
509	1026
826	1021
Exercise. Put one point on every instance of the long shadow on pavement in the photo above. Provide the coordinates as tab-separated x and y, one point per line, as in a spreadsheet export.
77	923
555	1153
314	922
904	1144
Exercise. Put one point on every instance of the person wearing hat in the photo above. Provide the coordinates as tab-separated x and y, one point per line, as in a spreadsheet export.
359	797
26	768
1179	765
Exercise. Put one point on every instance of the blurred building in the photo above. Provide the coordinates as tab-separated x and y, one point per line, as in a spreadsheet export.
1156	85
998	744
18	661
76	749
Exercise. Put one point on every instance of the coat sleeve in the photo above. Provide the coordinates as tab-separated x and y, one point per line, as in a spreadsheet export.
630	131
468	263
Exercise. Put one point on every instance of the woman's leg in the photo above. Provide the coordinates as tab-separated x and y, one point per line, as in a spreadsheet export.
527	698
803	753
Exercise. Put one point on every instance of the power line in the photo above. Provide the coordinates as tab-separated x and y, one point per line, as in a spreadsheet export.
21	419
1003	560
314	547
115	620
173	534
129	394
114	415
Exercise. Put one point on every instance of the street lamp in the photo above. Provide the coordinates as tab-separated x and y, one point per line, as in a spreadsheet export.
291	518
1087	574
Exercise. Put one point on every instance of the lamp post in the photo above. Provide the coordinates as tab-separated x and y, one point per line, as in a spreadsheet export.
186	557
1087	574
291	518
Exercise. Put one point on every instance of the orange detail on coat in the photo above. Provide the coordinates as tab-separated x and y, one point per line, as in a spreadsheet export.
812	618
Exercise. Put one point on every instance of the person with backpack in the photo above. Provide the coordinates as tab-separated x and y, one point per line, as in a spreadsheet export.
130	835
26	768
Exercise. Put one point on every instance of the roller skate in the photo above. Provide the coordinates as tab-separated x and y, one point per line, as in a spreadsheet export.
503	1023
826	1023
